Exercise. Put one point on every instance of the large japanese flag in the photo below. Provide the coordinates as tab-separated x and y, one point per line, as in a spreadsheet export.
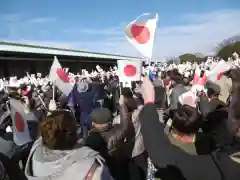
19	121
141	33
60	79
129	70
217	72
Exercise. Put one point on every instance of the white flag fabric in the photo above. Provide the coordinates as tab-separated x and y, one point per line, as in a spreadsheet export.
19	121
141	33
216	73
188	98
1	85
59	78
129	70
55	66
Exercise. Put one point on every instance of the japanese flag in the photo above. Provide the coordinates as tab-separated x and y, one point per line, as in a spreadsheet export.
217	72
19	120
60	79
141	33
129	70
188	98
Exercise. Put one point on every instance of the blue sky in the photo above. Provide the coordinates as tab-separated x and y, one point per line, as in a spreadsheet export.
195	26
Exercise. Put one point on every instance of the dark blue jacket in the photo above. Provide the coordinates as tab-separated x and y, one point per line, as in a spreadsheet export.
84	102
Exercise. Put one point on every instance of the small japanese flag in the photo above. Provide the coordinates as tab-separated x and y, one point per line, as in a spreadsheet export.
129	70
60	79
188	98
141	33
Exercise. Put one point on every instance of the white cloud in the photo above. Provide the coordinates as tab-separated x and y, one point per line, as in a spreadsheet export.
197	33
201	35
40	20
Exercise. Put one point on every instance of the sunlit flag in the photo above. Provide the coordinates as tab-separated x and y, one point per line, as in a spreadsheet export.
217	72
129	70
141	33
19	120
59	78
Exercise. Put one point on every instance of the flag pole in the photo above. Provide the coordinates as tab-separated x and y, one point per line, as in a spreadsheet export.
154	38
150	59
53	91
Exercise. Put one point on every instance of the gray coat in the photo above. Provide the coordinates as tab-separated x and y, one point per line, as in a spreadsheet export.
45	164
178	90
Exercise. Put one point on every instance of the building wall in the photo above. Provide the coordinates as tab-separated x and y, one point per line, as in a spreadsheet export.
19	68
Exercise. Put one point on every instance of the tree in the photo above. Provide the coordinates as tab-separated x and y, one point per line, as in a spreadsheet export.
173	60
190	58
226	51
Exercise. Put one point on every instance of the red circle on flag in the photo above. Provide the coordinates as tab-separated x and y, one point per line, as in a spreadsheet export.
220	75
19	122
62	75
140	33
130	70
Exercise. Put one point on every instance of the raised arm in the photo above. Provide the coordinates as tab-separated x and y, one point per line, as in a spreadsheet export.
155	140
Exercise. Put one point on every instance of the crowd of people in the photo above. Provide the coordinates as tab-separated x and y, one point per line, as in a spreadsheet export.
178	122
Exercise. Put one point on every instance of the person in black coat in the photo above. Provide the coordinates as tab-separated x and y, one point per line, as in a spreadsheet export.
172	157
9	170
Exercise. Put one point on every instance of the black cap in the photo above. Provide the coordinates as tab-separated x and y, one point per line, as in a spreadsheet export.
101	116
